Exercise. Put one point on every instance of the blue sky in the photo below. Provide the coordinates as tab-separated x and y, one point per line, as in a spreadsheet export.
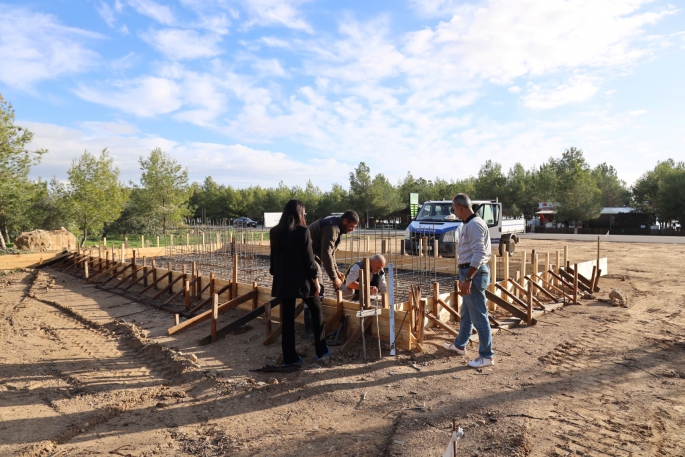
253	92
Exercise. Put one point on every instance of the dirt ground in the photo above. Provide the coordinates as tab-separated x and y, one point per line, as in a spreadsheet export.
84	372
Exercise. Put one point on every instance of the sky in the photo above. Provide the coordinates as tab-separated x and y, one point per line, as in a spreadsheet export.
254	92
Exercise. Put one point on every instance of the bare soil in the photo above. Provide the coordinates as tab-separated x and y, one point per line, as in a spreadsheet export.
85	372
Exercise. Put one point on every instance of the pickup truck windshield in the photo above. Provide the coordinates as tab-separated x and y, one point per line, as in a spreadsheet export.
437	212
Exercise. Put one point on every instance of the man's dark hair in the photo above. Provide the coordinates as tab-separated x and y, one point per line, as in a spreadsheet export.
350	216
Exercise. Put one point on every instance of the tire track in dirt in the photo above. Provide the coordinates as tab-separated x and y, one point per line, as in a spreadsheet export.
103	370
596	414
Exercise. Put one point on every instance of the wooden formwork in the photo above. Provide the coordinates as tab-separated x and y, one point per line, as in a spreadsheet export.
516	298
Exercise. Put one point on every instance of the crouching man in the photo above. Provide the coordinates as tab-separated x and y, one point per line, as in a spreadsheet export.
350	289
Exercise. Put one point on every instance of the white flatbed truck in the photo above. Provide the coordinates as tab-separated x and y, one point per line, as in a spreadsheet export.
436	221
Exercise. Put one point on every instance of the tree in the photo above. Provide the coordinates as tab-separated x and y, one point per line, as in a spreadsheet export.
360	184
94	196
614	190
335	201
164	193
647	190
671	201
577	193
15	163
490	183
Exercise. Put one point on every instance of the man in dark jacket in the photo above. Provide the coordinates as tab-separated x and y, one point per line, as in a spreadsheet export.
326	235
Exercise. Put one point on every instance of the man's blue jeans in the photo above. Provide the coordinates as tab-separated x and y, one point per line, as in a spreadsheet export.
474	313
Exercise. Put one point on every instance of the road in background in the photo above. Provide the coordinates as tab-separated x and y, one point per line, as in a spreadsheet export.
612	238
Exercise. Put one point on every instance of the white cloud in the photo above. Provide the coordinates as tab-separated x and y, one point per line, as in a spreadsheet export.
66	144
576	89
275	42
152	9
514	89
637	112
36	47
106	13
500	40
179	44
117	128
234	164
146	96
276	12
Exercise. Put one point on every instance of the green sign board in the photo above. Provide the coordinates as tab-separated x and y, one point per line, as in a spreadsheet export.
413	204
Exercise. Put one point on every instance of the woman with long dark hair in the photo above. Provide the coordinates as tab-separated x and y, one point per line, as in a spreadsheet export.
295	275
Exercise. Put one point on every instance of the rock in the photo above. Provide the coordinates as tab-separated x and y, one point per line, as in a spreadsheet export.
44	240
272	381
192	358
618	297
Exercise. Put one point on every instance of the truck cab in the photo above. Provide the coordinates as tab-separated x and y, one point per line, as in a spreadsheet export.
436	221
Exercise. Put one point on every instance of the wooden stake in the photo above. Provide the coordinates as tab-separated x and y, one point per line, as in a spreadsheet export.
157	240
234	284
104	242
142	241
566	255
557	265
186	288
177	318
367	282
85	269
215	316
135	266
529	302
170	272
436	299
493	280
522	280
545	275
575	283
255	300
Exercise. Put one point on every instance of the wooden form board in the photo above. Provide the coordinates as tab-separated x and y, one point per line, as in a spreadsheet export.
330	306
12	261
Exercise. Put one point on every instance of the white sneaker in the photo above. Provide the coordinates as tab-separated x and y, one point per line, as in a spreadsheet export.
481	362
453	348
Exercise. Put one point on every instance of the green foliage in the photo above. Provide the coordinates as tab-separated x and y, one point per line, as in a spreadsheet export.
17	192
161	200
577	193
614	190
661	192
94	196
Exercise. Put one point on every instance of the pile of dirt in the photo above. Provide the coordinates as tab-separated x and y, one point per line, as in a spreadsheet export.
44	240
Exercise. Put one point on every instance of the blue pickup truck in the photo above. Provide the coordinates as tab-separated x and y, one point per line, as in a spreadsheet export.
436	221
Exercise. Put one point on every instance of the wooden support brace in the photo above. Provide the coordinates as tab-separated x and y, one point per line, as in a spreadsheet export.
168	286
516	312
142	278
335	320
255	313
544	291
524	292
450	310
207	314
155	281
116	272
103	273
515	300
570	277
441	324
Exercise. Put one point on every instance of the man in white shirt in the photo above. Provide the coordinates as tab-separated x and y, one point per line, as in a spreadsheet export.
474	276
350	289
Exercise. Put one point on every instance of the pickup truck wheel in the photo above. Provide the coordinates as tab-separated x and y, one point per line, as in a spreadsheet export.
502	245
511	246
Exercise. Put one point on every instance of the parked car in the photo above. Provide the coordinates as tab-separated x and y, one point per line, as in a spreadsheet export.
244	222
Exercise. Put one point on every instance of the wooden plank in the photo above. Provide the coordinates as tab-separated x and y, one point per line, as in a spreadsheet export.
142	278
441	324
194	309
516	312
116	273
552	286
569	277
525	292
155	281
542	289
515	299
208	314
215	316
255	313
450	310
168	286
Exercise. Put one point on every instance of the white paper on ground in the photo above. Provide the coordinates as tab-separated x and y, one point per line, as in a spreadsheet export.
449	452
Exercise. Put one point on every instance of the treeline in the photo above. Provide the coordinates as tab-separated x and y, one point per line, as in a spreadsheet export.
93	202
